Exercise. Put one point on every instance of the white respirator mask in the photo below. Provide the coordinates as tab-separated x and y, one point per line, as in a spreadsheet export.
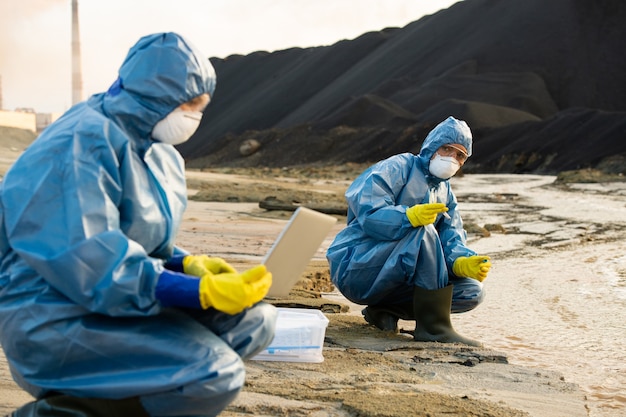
443	167
177	127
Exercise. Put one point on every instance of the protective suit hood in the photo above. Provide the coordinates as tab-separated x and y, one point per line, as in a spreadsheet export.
160	72
451	131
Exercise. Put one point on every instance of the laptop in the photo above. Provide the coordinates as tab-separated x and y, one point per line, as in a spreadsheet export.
294	248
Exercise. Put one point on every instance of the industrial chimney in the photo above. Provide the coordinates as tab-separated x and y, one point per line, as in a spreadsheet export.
77	74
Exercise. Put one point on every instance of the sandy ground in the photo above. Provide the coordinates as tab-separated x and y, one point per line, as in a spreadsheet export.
538	235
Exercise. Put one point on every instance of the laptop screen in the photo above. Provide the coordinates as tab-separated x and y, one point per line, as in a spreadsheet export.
294	248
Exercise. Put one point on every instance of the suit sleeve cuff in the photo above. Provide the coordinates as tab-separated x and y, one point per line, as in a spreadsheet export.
175	289
175	263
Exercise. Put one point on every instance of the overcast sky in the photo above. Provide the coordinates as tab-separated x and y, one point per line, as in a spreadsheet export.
35	35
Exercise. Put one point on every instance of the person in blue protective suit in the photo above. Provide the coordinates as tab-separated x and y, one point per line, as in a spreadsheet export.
403	252
101	314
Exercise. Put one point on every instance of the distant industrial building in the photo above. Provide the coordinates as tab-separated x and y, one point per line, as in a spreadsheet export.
19	119
27	119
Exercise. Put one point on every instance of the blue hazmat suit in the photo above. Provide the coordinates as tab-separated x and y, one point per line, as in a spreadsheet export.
379	257
88	217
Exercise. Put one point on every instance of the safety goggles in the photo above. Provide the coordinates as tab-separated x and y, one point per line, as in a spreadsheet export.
453	151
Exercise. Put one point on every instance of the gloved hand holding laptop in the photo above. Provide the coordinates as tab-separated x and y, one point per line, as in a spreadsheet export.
234	292
199	265
203	282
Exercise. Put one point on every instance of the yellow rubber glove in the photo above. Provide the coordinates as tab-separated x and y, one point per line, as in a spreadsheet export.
476	267
200	265
423	214
234	292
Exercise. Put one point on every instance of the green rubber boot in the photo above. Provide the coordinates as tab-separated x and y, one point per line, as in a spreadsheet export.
66	406
432	316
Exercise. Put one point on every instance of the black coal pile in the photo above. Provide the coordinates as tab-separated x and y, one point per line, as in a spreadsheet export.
541	83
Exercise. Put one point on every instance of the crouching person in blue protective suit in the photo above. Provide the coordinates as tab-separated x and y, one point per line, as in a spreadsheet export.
403	252
101	314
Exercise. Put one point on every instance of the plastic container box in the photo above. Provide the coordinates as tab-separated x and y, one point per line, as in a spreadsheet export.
299	337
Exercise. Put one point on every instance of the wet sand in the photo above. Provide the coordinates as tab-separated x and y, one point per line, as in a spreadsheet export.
553	311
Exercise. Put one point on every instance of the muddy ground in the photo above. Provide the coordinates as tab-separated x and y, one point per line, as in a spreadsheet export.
365	372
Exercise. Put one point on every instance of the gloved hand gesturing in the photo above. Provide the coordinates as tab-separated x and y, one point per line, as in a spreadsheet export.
200	265
233	292
423	214
476	267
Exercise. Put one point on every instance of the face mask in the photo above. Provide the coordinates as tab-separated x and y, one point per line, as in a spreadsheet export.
443	167
177	127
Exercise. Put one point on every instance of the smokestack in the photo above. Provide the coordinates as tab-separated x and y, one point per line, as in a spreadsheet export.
77	74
